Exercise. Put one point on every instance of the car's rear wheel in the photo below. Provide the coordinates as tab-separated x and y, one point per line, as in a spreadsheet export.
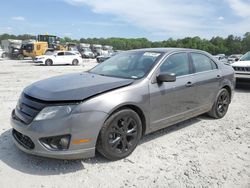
48	62
75	62
221	104
120	134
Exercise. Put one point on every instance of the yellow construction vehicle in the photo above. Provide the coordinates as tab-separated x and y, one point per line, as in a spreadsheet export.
43	44
35	49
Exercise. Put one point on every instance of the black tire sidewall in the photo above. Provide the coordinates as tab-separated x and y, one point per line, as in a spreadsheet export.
216	103
102	145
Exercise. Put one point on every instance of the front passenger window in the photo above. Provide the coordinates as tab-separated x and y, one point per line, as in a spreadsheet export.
60	54
176	63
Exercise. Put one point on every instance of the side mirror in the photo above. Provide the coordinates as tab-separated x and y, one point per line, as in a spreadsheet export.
166	77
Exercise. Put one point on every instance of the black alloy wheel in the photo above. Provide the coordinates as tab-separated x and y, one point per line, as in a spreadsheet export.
221	104
120	134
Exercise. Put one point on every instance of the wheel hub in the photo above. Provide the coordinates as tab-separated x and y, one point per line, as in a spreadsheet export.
122	135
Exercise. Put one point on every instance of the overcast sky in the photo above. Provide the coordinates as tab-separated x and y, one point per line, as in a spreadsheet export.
153	19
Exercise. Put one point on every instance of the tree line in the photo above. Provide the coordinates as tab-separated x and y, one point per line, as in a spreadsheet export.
216	45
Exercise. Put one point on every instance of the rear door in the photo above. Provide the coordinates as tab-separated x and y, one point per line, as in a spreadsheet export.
69	56
207	79
171	101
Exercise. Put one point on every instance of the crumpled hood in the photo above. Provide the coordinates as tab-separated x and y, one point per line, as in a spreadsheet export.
74	87
241	64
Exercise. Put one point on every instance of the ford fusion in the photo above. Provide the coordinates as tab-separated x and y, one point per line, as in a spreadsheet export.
109	108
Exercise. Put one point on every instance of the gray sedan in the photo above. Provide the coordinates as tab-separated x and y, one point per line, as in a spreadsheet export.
110	107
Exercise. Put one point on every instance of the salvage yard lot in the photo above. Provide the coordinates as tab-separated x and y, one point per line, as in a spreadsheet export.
198	152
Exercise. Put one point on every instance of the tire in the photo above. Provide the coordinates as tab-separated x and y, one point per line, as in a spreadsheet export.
20	57
75	62
48	62
220	105
120	135
98	60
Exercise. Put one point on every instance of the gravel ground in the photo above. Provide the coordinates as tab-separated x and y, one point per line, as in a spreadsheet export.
200	152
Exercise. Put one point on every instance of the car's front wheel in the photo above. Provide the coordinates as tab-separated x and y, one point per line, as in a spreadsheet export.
221	104
120	134
48	62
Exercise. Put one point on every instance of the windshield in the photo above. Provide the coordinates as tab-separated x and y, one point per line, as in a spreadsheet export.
87	50
133	65
28	47
245	57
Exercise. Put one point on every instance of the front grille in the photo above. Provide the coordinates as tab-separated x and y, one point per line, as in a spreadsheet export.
25	141
243	69
27	108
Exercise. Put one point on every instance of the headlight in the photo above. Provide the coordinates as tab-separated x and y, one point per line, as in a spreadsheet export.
53	112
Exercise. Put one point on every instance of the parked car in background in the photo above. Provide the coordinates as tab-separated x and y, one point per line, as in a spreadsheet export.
102	58
59	57
85	50
97	49
2	53
221	57
107	49
234	57
87	53
110	107
242	67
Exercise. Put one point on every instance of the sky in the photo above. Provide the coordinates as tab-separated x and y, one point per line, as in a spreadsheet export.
153	19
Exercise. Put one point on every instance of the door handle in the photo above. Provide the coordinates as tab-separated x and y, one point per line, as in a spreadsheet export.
189	84
218	76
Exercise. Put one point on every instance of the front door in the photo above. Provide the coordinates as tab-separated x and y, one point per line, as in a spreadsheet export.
169	101
60	58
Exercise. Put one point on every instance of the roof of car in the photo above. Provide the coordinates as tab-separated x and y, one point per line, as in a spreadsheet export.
165	50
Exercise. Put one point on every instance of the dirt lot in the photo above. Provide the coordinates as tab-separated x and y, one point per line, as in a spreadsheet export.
200	152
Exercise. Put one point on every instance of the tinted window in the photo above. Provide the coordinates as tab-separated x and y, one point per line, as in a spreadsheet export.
60	53
176	63
202	62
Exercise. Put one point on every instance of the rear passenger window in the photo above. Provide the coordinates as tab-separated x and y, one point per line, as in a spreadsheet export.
176	63
202	63
68	53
